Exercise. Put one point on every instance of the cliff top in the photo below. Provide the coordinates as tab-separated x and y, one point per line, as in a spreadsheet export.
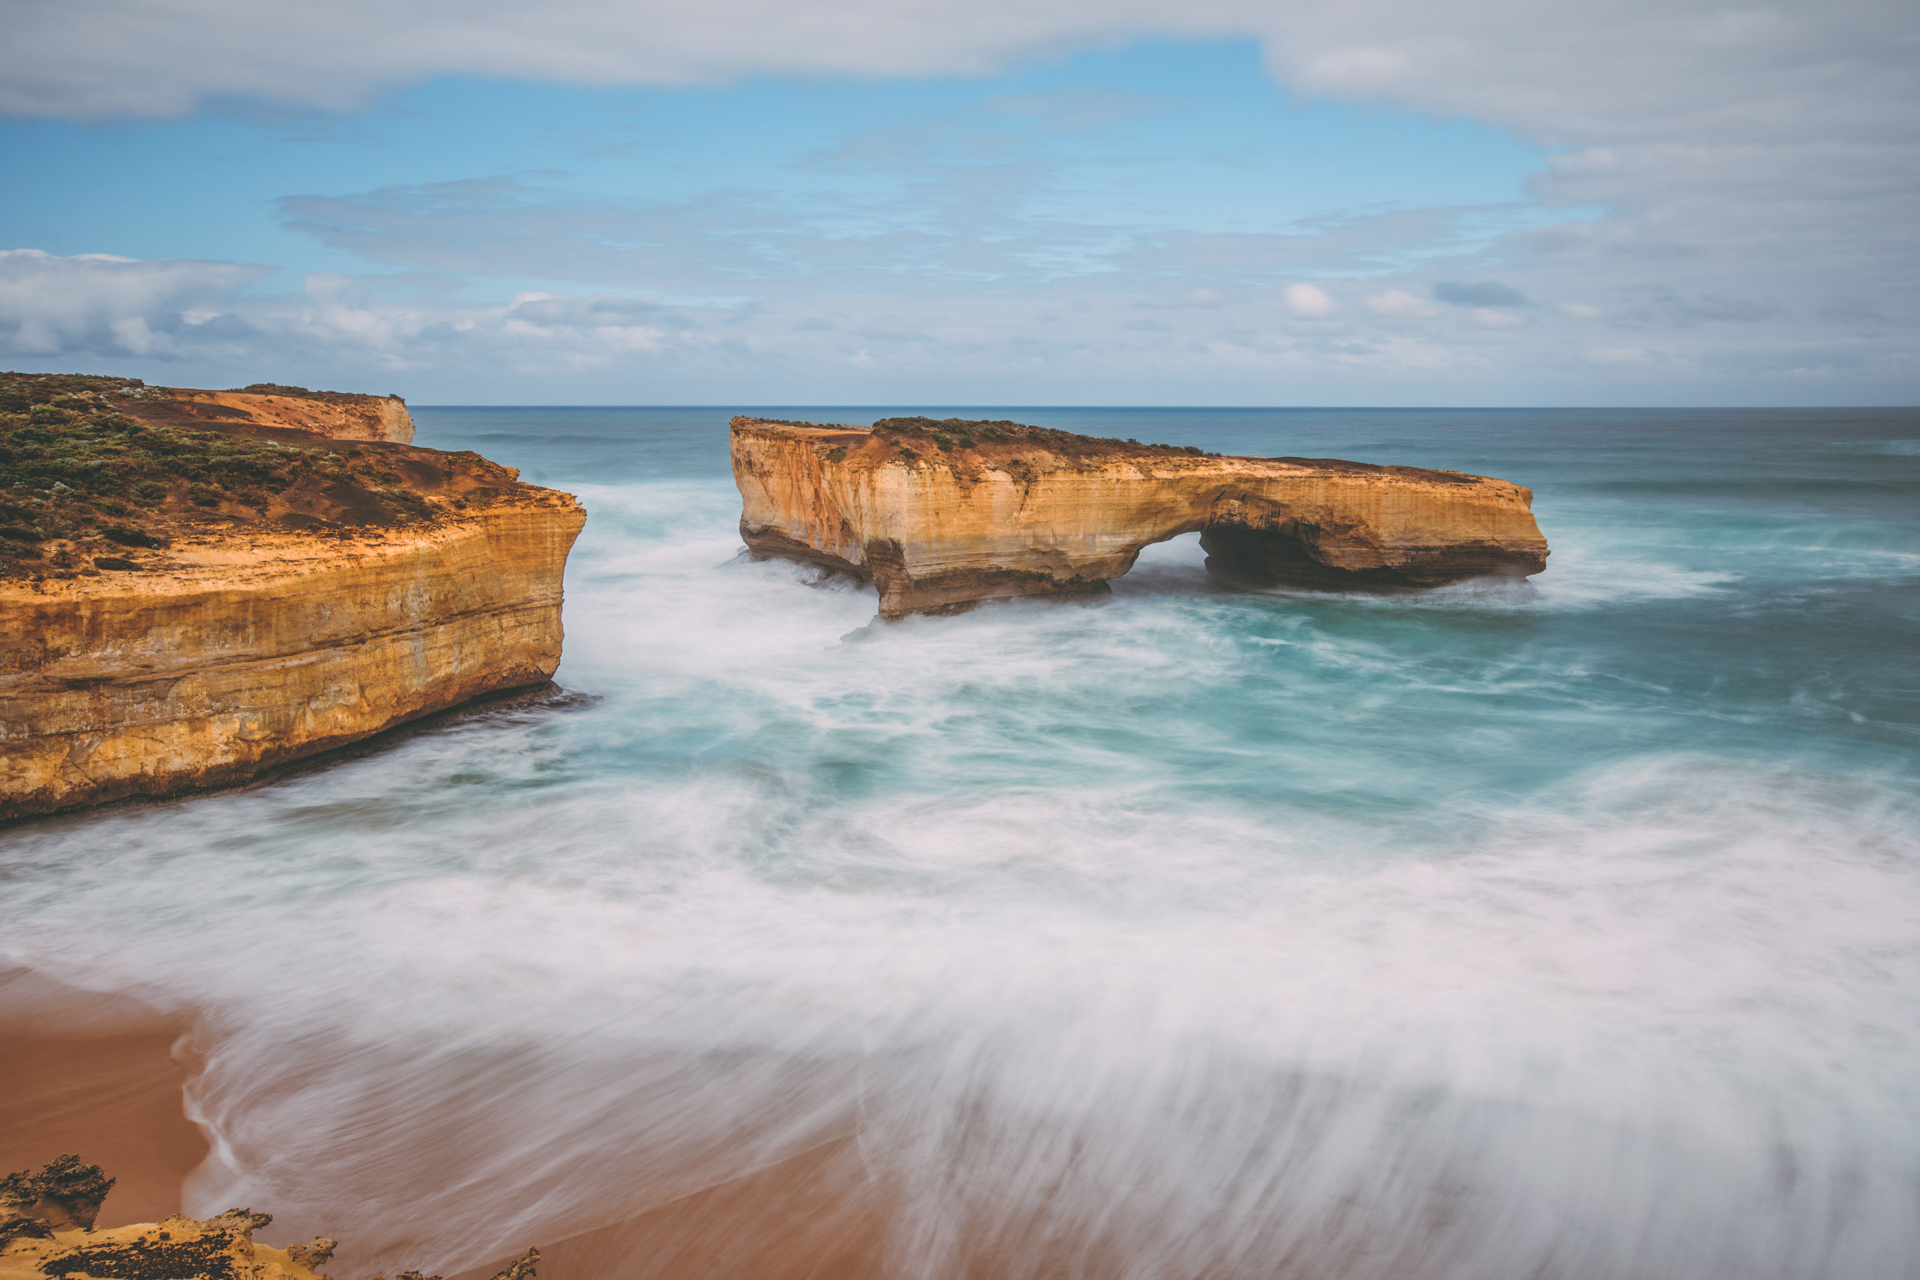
968	443
105	473
301	393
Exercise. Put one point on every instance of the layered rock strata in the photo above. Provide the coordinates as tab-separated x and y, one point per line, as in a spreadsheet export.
943	515
187	608
46	1232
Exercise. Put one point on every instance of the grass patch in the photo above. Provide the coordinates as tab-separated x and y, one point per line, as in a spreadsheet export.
955	434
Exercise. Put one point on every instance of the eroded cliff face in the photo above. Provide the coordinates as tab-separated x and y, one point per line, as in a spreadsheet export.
188	603
224	656
943	516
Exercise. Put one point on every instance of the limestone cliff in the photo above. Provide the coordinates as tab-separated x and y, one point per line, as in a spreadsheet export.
227	656
45	1233
264	407
187	607
334	414
942	515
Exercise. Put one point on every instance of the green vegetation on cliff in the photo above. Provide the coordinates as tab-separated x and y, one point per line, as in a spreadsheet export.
301	393
86	459
954	434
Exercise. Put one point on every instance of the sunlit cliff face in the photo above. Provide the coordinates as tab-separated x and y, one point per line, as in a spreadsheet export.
204	585
943	515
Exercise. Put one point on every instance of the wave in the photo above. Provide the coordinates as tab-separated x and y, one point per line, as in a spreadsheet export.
1550	931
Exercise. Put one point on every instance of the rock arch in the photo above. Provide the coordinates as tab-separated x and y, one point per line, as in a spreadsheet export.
942	519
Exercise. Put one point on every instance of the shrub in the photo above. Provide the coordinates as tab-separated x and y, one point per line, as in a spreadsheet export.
128	536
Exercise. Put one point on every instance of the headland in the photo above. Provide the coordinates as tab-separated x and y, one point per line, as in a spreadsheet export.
200	586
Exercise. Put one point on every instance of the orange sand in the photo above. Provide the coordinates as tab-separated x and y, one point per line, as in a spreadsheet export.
99	1076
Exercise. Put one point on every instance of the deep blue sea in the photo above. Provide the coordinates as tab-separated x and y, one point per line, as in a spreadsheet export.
1557	931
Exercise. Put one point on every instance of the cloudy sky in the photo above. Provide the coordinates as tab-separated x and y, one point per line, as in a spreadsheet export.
1369	202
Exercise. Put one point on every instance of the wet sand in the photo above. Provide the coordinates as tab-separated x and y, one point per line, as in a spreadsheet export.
814	1217
102	1076
99	1076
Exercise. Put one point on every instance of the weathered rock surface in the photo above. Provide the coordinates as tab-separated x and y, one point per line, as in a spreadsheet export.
230	655
186	606
941	516
41	1238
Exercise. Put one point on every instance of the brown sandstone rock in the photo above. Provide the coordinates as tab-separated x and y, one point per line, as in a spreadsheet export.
943	516
333	414
236	650
177	1248
276	575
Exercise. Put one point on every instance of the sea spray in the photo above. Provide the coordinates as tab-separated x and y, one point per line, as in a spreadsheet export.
1559	930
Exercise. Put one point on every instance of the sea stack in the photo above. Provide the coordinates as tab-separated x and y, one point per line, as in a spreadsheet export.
199	586
942	515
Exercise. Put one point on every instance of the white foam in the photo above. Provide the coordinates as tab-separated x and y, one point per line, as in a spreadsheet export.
1022	901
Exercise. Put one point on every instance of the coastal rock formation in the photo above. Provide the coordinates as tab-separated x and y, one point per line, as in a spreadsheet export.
39	1237
188	607
943	515
338	415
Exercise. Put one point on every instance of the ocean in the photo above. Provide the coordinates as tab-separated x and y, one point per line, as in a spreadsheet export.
1567	929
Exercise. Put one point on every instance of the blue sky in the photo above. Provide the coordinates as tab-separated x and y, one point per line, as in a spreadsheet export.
1158	135
1155	218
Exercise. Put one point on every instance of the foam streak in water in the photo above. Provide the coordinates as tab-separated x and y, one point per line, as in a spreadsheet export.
1557	933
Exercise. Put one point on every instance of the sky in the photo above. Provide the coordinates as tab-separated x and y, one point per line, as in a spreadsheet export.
1247	202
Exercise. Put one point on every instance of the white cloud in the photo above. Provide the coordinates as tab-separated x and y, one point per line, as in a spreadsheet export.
1365	69
1400	304
990	345
1754	163
95	301
1309	301
1599	75
1487	318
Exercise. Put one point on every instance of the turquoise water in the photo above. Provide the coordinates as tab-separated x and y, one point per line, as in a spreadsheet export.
1569	929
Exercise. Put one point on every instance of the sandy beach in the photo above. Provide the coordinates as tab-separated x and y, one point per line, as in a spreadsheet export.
99	1076
103	1076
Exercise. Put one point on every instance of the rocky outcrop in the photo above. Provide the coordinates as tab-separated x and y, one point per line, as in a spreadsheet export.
187	608
65	1193
226	656
943	515
39	1237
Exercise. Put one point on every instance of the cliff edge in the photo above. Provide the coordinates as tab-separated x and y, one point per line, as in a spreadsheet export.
188	605
941	515
338	415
